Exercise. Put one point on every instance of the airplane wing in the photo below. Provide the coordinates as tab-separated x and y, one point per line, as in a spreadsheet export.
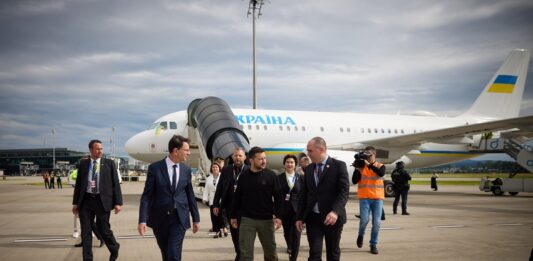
524	124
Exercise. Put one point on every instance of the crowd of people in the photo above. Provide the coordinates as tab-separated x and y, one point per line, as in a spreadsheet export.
244	195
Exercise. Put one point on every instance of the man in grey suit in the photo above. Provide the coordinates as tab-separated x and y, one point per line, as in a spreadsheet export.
96	193
168	198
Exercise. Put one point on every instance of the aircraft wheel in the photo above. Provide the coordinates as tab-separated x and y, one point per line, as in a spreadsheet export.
497	191
513	193
389	191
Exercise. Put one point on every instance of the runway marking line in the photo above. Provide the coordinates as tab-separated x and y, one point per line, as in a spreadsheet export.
39	240
448	226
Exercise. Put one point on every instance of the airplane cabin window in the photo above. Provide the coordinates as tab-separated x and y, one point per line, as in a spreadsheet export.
362	130
303	128
265	127
401	131
348	129
388	130
296	128
280	127
257	127
249	127
369	130
342	129
322	129
375	130
289	128
395	131
382	131
173	125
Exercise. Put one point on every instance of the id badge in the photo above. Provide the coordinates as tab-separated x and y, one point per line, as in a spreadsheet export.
287	197
93	183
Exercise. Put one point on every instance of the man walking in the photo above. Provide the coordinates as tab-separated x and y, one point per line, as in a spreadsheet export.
371	191
323	201
168	198
401	178
96	193
223	201
258	202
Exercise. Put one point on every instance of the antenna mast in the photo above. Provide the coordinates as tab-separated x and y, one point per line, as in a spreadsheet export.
254	5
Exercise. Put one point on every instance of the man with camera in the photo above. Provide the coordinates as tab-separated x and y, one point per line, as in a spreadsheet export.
368	174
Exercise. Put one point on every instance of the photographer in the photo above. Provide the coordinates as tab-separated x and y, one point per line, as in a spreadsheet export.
401	178
368	175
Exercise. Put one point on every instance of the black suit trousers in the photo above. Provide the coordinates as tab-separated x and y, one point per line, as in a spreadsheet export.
90	208
317	232
169	235
291	234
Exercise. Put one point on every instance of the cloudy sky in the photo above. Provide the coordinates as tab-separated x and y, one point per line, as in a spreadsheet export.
82	67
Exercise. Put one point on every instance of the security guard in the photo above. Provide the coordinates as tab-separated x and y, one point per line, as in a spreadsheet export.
401	178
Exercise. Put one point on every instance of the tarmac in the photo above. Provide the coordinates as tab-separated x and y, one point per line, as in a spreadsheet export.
454	223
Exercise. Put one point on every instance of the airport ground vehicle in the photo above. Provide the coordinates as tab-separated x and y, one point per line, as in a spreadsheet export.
511	185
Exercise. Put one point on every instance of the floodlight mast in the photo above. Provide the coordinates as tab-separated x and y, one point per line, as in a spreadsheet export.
253	6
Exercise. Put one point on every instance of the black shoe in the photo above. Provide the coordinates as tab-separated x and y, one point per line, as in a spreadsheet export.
114	254
101	243
374	249
383	217
359	241
405	213
358	216
80	244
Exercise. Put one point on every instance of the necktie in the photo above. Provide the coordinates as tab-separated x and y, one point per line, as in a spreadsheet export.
174	175
319	171
94	178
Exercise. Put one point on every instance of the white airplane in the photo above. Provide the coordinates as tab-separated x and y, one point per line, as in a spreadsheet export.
419	141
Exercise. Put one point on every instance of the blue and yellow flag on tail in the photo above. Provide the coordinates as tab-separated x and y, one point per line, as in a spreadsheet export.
503	84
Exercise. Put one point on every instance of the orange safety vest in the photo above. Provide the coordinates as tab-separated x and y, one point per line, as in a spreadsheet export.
371	185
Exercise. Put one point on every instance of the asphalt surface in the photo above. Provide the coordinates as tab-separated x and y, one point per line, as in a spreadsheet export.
454	223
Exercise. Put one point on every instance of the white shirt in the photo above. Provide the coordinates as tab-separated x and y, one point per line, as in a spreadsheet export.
210	188
90	176
290	179
170	168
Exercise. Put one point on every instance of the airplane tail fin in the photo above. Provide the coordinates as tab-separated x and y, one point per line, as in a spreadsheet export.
502	96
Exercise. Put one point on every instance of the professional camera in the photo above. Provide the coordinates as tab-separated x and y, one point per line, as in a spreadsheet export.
360	158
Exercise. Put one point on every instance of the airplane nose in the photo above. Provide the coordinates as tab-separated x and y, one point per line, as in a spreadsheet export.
132	144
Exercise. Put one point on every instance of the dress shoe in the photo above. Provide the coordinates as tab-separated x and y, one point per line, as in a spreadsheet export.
359	241
101	243
405	213
114	254
80	244
374	249
358	216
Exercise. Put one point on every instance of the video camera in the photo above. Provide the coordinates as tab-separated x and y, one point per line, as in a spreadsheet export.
360	158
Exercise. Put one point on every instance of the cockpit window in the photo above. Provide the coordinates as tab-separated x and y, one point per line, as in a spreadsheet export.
163	125
173	125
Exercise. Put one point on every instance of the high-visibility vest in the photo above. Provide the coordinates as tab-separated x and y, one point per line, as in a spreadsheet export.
371	185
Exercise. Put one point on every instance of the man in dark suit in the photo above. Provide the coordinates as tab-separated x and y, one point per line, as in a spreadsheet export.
291	183
224	194
168	198
323	201
96	193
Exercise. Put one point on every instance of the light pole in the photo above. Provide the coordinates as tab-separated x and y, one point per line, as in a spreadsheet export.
252	7
53	149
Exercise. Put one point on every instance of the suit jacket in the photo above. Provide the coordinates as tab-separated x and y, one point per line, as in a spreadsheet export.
109	186
224	192
331	193
291	206
157	198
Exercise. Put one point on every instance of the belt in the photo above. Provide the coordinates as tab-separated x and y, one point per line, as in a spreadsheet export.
92	195
172	211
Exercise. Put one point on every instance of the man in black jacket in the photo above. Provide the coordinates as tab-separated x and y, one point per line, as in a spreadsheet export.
96	193
225	191
401	178
322	205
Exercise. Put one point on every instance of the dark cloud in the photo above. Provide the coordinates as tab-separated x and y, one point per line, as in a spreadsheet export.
83	67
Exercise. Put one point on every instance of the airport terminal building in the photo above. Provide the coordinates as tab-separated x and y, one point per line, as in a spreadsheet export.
27	162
